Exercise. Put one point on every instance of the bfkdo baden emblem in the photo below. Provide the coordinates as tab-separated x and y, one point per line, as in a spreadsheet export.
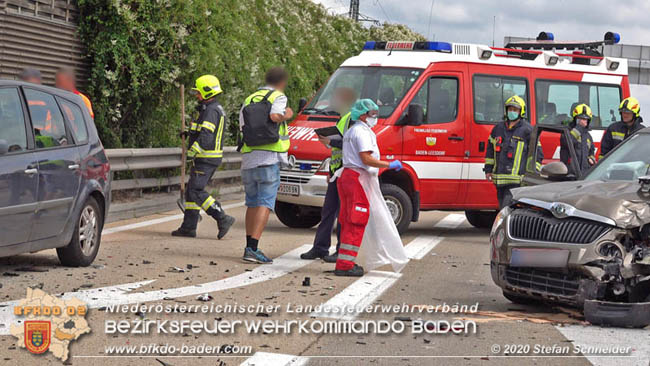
37	336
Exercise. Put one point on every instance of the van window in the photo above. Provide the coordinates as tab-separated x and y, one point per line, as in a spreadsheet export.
384	85
47	121
76	120
12	120
555	101
491	92
439	98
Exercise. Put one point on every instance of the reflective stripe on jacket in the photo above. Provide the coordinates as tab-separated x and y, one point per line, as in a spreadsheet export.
207	133
616	133
507	153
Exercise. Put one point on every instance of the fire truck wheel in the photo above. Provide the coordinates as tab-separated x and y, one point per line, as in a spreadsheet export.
481	219
399	204
296	216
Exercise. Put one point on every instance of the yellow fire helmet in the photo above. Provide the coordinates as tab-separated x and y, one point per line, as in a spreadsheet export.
582	110
630	104
518	102
208	86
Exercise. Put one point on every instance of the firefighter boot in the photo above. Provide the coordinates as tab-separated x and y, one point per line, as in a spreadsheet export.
224	222
188	228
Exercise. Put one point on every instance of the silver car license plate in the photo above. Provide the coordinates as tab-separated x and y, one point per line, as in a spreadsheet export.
289	189
549	258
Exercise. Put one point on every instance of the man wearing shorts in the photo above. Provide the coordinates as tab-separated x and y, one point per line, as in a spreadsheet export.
261	164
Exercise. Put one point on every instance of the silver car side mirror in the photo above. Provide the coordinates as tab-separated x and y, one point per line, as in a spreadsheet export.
555	169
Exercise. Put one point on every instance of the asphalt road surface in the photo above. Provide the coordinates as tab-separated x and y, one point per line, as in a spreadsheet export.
449	265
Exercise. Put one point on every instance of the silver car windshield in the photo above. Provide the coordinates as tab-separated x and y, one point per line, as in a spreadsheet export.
386	86
627	163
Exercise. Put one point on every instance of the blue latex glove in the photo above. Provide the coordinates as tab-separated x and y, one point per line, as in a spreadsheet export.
395	164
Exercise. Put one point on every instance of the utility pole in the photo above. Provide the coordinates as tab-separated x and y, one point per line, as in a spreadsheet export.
354	10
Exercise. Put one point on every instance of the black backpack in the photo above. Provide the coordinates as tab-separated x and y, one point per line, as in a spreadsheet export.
259	129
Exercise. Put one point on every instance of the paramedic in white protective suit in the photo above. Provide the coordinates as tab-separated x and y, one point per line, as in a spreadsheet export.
364	216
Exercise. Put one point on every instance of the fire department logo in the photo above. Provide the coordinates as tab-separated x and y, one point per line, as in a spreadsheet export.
37	336
431	141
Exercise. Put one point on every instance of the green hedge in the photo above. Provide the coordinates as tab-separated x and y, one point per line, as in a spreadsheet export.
142	50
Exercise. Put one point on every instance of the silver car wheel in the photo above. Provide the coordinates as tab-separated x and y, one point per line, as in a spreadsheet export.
88	230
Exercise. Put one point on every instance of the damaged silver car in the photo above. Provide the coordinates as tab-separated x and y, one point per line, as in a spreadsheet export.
583	242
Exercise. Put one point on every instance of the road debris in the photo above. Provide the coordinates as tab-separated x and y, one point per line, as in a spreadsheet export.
204	297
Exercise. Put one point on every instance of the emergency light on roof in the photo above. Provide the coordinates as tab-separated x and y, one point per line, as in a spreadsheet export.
407	46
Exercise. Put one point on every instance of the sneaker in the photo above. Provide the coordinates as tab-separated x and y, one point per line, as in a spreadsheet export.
184	232
331	258
356	271
312	254
224	225
256	256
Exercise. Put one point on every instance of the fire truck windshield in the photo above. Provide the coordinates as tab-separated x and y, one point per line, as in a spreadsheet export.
386	86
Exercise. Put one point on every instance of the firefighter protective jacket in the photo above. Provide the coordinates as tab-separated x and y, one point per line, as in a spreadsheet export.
616	133
584	147
507	152
206	134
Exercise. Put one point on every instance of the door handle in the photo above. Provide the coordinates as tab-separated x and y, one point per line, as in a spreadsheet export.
456	138
31	171
73	167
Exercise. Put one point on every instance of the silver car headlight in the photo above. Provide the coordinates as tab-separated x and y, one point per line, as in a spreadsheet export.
499	219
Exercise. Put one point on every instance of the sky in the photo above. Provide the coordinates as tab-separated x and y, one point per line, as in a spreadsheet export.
471	21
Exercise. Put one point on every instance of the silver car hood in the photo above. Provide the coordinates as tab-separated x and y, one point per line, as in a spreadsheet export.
616	203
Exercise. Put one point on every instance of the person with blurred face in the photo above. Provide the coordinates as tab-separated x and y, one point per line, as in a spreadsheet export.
630	123
31	75
583	143
66	80
341	102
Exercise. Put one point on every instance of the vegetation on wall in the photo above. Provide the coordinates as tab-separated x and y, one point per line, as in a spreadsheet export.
142	50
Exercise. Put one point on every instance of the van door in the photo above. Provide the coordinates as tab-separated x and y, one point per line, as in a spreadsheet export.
18	178
58	165
491	86
435	146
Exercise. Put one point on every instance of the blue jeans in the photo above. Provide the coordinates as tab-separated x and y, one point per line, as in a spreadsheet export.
261	185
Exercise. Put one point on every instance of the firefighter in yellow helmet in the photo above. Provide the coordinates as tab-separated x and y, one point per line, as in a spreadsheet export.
583	143
630	122
206	151
507	151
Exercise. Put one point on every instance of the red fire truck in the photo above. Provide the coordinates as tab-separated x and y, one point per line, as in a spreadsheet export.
438	103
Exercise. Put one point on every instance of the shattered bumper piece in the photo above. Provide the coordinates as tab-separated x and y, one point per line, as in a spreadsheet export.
616	314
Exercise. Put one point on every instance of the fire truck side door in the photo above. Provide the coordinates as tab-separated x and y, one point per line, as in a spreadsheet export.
435	146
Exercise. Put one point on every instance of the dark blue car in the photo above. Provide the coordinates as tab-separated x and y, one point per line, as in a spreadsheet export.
54	174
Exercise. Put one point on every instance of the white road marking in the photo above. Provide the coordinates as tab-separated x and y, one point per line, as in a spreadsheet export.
359	294
119	295
423	244
367	289
274	359
161	220
594	336
450	221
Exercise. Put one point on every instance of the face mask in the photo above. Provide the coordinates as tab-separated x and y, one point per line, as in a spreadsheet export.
513	115
371	121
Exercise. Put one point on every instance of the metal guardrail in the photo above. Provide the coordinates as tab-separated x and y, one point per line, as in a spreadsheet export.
141	159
